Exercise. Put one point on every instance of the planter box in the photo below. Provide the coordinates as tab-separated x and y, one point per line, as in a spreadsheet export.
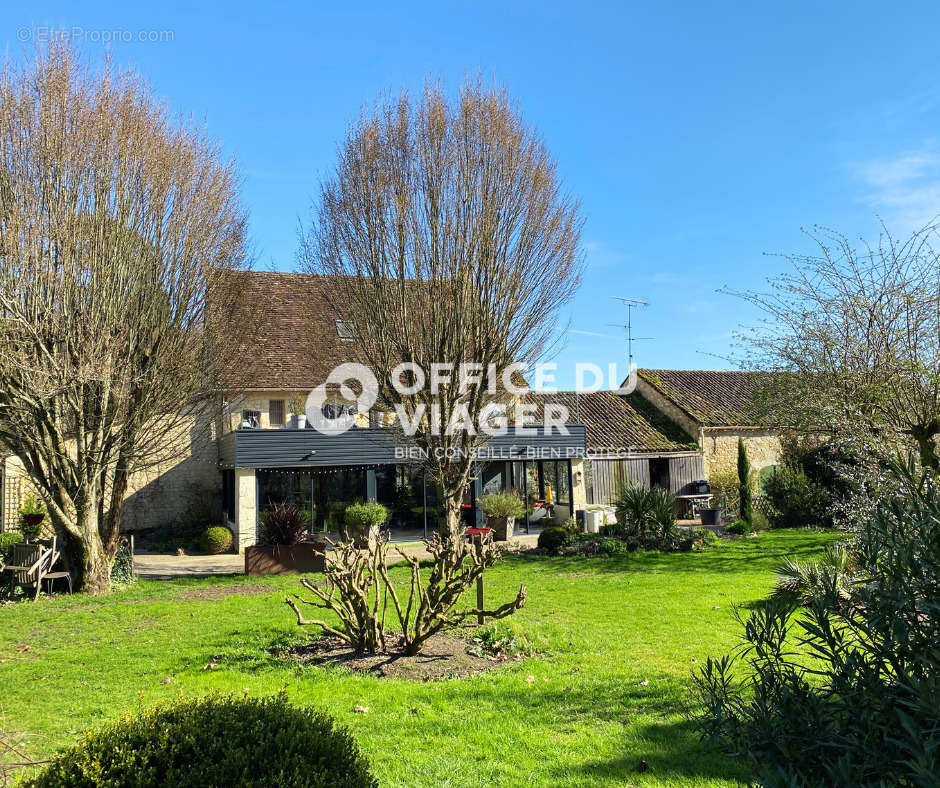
503	527
284	559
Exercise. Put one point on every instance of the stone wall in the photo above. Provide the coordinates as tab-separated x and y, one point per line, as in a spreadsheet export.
186	485
721	448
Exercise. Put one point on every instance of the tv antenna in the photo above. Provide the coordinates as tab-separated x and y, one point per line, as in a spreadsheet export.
631	304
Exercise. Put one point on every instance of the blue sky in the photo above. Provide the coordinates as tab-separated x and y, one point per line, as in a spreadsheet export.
698	136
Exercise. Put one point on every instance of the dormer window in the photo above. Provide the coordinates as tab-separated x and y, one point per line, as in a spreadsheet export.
347	330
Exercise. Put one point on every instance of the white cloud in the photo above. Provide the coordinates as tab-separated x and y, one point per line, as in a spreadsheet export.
903	189
590	333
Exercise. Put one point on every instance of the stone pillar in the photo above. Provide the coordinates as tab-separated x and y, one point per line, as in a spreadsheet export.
246	508
578	485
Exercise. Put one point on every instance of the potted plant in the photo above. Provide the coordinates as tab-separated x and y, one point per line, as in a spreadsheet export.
32	513
298	416
363	520
284	544
501	510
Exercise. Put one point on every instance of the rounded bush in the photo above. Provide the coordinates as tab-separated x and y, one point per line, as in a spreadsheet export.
217	539
365	515
738	527
217	740
553	538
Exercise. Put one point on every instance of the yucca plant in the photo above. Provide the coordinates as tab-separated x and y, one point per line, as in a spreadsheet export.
645	515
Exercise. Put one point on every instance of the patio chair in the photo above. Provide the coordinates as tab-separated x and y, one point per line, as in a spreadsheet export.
30	564
52	575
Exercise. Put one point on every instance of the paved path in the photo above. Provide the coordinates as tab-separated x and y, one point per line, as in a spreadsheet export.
159	566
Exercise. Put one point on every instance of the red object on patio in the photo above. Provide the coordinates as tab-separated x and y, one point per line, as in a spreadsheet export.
478	532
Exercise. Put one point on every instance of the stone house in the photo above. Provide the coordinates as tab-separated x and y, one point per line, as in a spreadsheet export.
715	408
249	453
628	442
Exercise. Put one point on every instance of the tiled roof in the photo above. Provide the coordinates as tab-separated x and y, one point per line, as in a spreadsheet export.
294	343
716	398
614	423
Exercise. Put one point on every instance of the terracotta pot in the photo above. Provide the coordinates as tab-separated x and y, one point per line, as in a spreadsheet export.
503	527
284	559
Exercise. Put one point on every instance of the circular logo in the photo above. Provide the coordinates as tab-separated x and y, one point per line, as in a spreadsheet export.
331	417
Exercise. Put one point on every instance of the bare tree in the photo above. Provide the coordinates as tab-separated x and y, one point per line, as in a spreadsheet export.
449	241
858	331
117	227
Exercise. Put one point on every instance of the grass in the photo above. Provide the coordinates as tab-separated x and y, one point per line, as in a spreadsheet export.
602	628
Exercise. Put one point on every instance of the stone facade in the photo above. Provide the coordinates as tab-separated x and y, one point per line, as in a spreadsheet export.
164	493
246	497
721	448
719	445
186	484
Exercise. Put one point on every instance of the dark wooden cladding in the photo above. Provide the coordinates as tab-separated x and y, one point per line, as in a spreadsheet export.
375	446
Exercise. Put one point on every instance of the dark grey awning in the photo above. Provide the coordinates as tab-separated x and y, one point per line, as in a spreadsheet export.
300	448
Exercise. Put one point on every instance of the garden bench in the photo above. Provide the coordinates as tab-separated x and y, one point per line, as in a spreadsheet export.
31	562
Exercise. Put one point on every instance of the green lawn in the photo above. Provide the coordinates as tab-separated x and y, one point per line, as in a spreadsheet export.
602	626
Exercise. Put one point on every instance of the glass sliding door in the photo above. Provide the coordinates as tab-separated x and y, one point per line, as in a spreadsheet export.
333	491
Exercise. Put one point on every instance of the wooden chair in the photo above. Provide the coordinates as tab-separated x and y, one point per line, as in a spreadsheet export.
31	563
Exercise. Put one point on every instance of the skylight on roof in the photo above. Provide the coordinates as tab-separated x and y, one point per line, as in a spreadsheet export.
347	330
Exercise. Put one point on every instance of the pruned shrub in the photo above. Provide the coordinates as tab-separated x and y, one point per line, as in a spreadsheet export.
553	538
365	515
216	539
283	524
738	528
362	521
863	710
213	741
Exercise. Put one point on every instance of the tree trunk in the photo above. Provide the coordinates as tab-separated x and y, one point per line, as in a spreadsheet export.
926	438
96	562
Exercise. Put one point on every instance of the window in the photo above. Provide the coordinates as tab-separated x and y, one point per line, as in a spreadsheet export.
347	330
276	412
250	418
